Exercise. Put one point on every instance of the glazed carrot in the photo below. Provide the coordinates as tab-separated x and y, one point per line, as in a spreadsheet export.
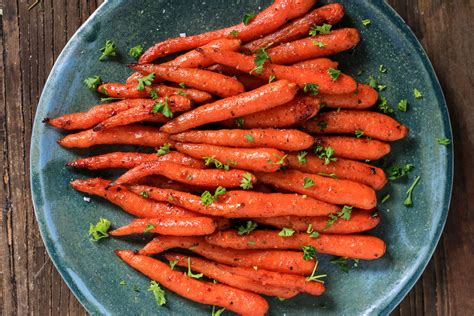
317	64
343	192
217	272
249	82
253	159
201	79
360	221
97	114
271	278
164	183
343	84
263	23
298	28
263	98
200	177
364	97
127	135
130	91
274	260
296	111
284	139
132	79
128	201
371	124
351	246
242	204
238	301
128	160
341	168
308	48
355	148
190	226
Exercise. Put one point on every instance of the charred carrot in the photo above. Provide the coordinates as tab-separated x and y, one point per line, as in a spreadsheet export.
219	273
354	148
284	139
253	159
315	46
298	28
238	301
263	98
190	226
200	177
336	191
360	221
128	201
351	246
364	97
370	124
318	64
341	168
126	135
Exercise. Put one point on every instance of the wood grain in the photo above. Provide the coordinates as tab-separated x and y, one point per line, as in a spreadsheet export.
32	40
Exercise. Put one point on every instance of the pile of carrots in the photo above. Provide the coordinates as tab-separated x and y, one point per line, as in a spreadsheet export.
241	138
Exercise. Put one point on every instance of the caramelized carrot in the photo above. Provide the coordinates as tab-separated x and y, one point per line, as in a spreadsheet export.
364	97
318	64
355	148
238	301
164	183
190	226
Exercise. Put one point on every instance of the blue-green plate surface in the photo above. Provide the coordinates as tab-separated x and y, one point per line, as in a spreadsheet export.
93	272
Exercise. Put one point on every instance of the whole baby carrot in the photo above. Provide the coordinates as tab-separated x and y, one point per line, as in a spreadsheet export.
364	97
354	148
189	226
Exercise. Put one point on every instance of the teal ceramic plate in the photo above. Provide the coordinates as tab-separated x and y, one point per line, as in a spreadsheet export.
93	272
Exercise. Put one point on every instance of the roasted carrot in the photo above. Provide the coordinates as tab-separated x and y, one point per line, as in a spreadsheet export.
336	191
274	260
292	113
219	273
308	48
130	91
370	124
97	114
263	98
127	135
238	301
351	246
200	177
360	221
201	79
298	28
249	82
284	139
341	168
164	183
129	201
128	160
253	159
354	148
190	226
302	77
263	23
242	204
318	64
364	97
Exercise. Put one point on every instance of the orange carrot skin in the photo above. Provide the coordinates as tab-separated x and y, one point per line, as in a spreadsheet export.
126	135
351	246
95	115
361	220
253	159
342	192
238	301
128	201
263	23
343	84
364	97
158	181
214	271
295	112
355	148
190	226
317	64
298	28
373	124
342	169
128	160
200	79
337	41
283	139
263	98
209	178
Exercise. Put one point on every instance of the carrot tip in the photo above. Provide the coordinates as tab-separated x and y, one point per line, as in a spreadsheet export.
46	120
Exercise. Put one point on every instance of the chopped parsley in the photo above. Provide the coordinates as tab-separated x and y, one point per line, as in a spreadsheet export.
148	228
136	51
163	108
345	213
309	252
282	159
182	85
239	121
261	57
320	29
234	33
402	105
153	94
312	88
248	17
308	183
359	133
158	292
99	230
372	82
286	232
382	69
145	80
271	78
331	175
314	277
249	227
93	82
319	44
190	273
395	172
173	264
110	99
301	156
246	182
108	50
144	194
249	138
417	93
366	22
181	92
343	263
384	106
443	141
163	150
322	124
218	312
385	198
325	153
207	198
334	73
408	200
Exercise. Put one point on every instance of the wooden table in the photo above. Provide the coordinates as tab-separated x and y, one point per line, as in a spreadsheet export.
32	40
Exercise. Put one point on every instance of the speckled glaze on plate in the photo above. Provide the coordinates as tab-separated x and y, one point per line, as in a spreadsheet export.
93	272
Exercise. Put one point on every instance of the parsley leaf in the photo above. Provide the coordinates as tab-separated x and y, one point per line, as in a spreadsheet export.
158	292
249	138
108	50
345	212
212	160
93	82
301	156
207	198
325	153
190	273
234	33
443	141
402	105
145	80
144	194
282	159
181	92
239	122
308	183
359	133
173	264
394	172
286	232
343	263
319	44
217	312
136	51
261	57
385	198
309	252
334	73
246	182
311	87
372	82
153	94
249	227
110	99
417	93
148	228
99	230
182	85
382	69
317	29
163	150
366	22
271	78
163	108
408	201
384	106
332	175
316	278
248	18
